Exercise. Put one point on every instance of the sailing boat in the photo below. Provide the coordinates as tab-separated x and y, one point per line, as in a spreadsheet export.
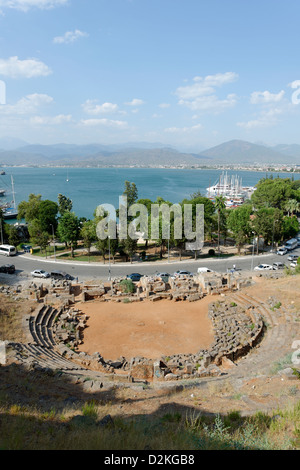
67	180
11	212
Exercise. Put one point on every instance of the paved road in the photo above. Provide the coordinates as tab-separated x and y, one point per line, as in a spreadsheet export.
25	264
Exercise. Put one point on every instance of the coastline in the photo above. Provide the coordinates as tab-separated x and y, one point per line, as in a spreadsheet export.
130	167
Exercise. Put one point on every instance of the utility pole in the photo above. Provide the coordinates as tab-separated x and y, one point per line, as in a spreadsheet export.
252	252
53	242
1	232
109	276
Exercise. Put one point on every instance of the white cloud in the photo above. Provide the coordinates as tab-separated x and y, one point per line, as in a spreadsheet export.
266	119
27	105
25	5
28	68
91	107
103	122
69	37
218	79
164	105
295	84
183	130
51	120
201	95
265	97
135	102
210	103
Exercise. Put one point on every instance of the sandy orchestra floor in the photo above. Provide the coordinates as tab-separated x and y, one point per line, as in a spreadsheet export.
147	329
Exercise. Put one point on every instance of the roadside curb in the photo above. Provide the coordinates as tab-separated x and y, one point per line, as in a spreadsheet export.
155	263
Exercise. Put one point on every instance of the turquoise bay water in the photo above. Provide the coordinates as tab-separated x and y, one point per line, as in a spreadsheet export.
90	187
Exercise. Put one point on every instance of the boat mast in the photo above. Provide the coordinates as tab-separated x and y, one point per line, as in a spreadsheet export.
13	191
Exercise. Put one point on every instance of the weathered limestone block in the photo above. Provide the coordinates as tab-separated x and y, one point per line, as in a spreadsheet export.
143	370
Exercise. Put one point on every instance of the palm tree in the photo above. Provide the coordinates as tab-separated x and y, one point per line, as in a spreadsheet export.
220	206
291	206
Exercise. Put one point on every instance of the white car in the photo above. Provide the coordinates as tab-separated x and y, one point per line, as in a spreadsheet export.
293	257
282	251
40	273
293	264
263	267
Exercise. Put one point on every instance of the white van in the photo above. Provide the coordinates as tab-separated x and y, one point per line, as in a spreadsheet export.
291	244
8	250
204	270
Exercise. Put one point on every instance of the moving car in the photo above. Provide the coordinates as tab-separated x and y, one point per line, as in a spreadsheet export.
135	277
40	273
291	244
7	268
278	265
8	250
61	275
204	270
293	257
264	267
282	251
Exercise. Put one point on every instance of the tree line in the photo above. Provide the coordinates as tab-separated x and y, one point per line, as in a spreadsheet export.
270	215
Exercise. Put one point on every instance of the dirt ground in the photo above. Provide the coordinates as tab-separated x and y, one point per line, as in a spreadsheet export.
147	329
286	290
165	328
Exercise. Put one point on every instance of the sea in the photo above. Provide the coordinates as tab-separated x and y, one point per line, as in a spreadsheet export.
90	187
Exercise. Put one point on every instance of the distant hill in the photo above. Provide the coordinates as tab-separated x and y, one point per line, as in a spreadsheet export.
146	155
94	154
239	151
292	150
9	143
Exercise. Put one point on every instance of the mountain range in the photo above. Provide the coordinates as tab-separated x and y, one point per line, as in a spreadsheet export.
238	152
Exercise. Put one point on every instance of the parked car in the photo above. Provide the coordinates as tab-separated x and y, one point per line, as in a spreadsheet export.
264	267
163	276
204	270
282	251
293	257
40	273
293	264
135	277
61	275
182	273
278	265
8	269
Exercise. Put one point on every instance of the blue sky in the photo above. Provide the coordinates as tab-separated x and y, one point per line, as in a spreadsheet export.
186	73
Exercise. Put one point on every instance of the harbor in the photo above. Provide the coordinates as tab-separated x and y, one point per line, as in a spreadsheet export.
231	188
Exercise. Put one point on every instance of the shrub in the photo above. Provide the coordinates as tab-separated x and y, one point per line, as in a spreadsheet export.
127	286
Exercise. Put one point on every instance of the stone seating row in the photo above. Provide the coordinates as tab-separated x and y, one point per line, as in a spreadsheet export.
41	347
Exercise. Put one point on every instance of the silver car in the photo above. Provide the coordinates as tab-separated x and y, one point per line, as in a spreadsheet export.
40	273
278	266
